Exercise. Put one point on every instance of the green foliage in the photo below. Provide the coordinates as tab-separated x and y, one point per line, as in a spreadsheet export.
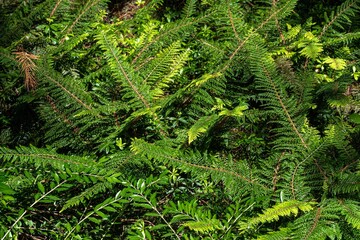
179	120
282	209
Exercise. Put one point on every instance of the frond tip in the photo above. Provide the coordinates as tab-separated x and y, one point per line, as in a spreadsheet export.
287	208
203	226
201	126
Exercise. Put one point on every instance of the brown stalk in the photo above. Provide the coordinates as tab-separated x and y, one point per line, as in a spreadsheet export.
278	25
315	224
276	172
55	8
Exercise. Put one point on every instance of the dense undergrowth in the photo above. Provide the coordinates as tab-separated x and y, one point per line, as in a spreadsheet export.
226	119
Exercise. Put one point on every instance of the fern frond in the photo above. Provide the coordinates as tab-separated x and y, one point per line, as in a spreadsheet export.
175	69
201	126
193	216
162	70
70	44
279	12
189	8
197	98
228	172
318	224
287	208
342	16
87	194
58	83
276	98
28	68
282	234
44	157
345	38
204	226
351	210
83	10
61	131
171	32
311	47
346	183
16	25
155	69
136	91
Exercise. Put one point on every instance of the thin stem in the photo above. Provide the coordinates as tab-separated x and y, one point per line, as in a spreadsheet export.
237	218
90	214
32	205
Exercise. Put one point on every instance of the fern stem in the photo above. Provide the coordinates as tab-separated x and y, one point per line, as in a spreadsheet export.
277	94
348	165
232	23
236	219
79	16
217	170
55	8
274	14
326	27
316	220
278	25
90	214
166	33
134	88
276	172
68	92
292	183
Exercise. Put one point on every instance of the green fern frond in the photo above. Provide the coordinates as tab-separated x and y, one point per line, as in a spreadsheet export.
175	69
281	11
189	8
70	44
351	210
155	69
16	26
57	83
170	33
87	194
197	97
229	172
346	183
346	39
275	97
43	157
136	91
282	234
335	63
60	131
83	11
318	224
204	226
311	49
287	208
162	70
68	108
201	126
342	15
193	216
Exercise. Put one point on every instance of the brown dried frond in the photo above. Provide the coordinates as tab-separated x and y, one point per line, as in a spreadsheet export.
27	67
